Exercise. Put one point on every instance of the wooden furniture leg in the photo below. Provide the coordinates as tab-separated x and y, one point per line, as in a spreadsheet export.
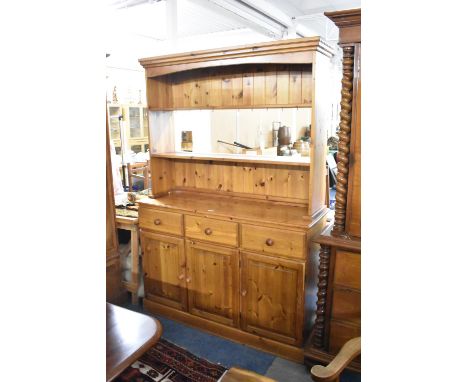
331	373
131	224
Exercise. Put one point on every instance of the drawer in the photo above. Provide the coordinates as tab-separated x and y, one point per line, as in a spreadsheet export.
212	230
160	221
340	333
346	305
273	241
348	269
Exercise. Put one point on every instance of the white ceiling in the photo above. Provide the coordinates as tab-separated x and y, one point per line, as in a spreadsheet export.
148	17
315	6
140	28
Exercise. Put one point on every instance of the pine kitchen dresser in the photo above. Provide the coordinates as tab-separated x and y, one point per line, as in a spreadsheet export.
227	239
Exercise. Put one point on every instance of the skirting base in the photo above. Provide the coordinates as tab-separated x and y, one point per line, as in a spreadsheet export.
270	346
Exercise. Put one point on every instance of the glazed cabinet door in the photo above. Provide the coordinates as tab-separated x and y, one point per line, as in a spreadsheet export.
212	282
272	297
164	269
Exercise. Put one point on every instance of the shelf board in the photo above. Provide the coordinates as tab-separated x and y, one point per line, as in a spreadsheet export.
242	158
246	210
234	107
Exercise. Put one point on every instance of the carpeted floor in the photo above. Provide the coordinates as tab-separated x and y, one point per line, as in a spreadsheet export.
228	353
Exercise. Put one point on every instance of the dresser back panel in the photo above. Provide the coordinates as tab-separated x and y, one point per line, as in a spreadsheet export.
233	86
266	181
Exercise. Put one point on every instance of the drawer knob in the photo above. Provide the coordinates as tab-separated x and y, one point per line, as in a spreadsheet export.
244	293
181	276
188	279
208	231
157	221
269	242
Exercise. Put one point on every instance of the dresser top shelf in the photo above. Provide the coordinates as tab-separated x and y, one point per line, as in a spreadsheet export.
239	158
235	208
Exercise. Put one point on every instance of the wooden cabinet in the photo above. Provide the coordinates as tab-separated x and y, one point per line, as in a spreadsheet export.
213	282
227	238
260	297
338	298
272	297
339	288
164	269
133	121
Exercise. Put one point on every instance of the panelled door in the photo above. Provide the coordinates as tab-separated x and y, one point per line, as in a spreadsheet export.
164	269
212	282
272	300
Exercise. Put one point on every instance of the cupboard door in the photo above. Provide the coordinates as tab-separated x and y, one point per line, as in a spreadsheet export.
164	269
212	281
272	297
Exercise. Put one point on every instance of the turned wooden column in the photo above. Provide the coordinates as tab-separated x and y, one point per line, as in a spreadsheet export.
318	331
344	139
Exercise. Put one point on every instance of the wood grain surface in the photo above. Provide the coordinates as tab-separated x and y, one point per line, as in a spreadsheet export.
164	268
128	336
244	210
213	282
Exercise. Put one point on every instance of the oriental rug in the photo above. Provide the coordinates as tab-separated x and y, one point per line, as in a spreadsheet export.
166	362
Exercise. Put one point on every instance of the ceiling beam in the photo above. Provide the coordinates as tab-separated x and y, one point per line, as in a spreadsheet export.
246	16
171	21
292	23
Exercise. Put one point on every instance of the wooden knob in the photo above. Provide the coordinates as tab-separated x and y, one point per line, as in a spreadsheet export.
269	242
157	221
208	231
188	279
243	293
181	276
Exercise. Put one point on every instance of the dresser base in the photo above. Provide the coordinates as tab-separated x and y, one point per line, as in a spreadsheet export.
286	351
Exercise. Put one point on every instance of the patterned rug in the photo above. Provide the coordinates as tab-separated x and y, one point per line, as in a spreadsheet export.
166	362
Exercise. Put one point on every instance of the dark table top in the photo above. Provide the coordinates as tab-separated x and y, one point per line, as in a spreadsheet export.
129	336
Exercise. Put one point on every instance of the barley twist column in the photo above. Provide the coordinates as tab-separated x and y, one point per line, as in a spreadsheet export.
318	331
344	137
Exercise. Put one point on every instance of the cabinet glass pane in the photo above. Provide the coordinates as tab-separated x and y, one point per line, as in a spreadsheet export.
134	119
114	113
136	148
145	121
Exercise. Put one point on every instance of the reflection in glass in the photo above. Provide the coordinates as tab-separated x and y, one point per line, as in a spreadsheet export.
114	113
136	148
134	118
145	121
